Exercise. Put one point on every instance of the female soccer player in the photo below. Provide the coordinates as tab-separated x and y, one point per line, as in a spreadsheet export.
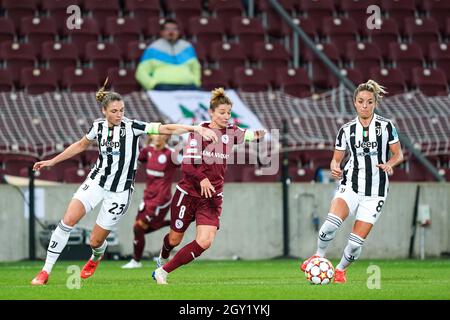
364	183
199	193
160	163
111	180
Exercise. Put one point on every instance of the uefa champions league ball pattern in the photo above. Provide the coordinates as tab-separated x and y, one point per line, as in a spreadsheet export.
319	271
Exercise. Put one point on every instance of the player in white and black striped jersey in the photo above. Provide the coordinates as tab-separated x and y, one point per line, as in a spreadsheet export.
110	181
364	182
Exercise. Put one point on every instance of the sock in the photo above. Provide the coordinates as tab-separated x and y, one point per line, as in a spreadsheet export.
97	253
351	252
139	242
327	233
58	241
166	248
188	253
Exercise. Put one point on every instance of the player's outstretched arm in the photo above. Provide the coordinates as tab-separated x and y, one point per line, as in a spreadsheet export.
72	150
171	128
254	135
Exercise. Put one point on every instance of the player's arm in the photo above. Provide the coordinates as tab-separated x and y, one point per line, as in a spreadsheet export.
396	158
172	128
335	165
72	150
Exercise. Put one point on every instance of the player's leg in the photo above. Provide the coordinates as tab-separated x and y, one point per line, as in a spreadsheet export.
98	245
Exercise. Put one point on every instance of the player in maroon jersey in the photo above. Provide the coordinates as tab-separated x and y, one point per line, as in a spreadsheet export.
199	193
160	166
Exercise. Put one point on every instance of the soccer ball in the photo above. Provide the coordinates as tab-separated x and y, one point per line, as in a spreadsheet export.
319	271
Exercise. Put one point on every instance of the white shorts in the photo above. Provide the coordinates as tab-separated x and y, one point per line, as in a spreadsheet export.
115	204
367	209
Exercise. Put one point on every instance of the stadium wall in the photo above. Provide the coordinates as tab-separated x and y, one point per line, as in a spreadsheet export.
251	224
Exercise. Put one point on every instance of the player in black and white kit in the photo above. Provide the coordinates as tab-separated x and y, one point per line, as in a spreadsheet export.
110	181
364	182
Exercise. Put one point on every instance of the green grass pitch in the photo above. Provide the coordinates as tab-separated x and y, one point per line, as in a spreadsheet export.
230	280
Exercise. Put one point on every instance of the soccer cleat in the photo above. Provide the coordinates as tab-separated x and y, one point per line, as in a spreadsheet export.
40	279
89	268
133	264
160	261
160	275
339	276
305	263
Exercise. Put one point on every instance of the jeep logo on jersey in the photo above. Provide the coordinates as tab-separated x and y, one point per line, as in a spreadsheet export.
110	144
366	144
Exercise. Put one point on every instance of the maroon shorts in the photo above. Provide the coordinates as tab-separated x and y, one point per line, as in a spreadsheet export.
153	213
185	209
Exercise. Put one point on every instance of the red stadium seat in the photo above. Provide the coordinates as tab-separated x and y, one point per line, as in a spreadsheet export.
340	31
228	56
357	11
48	174
213	78
253	174
81	79
152	31
439	53
201	53
16	10
122	31
38	81
438	10
141	10
7	30
134	52
102	9
317	10
14	163
58	55
354	75
17	56
103	56
88	32
123	80
248	31
363	56
392	79
399	10
406	57
422	31
320	74
251	80
37	31
184	10
388	32
226	9
270	56
75	175
6	80
431	82
294	82
275	25
57	10
206	31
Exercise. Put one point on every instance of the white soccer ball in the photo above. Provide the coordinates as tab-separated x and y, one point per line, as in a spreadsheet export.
319	271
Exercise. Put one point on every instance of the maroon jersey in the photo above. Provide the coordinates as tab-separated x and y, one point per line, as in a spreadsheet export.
205	159
159	168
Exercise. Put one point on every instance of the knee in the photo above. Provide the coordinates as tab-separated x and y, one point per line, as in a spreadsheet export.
205	242
140	225
174	240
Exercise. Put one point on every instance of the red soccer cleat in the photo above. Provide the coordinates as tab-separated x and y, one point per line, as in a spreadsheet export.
40	279
89	268
305	263
339	276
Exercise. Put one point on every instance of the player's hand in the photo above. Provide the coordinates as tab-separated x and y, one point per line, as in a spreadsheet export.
386	168
207	188
42	164
259	134
206	133
336	172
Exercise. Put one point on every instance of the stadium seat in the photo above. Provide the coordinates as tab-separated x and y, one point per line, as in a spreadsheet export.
294	82
13	163
392	79
400	175
318	72
123	80
226	9
354	75
38	81
363	56
213	78
81	79
438	10
122	31
134	52
406	57
152	31
102	55
251	80
399	10
228	56
37	31
184	10
430	82
206	31
58	55
357	11
88	32
16	10
253	174
422	31
270	56
297	174
387	33
7	30
57	10
48	174
248	31
141	10
317	10
75	175
201	53
6	80
439	54
340	31
102	9
17	56
274	24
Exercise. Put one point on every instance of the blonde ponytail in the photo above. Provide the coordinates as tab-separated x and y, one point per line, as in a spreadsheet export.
105	97
219	97
371	86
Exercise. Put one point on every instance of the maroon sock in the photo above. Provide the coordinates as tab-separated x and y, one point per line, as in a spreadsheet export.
139	242
188	253
166	248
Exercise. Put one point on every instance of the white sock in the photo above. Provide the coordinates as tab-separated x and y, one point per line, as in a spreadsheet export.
327	233
58	241
97	253
351	252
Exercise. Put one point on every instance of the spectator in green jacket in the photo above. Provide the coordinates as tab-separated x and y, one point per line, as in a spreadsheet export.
169	63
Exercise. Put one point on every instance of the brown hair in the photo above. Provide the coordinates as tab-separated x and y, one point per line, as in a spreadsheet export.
371	86
218	98
105	97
